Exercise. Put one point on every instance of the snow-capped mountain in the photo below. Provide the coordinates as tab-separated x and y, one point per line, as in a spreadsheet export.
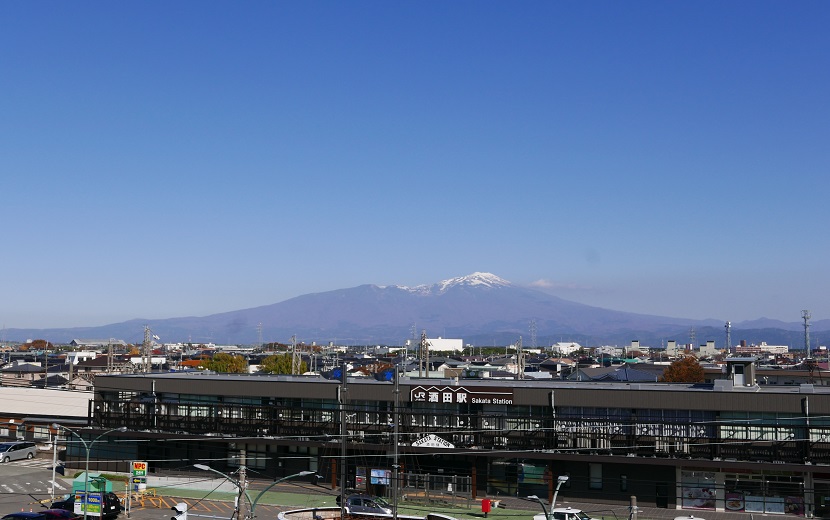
482	280
480	308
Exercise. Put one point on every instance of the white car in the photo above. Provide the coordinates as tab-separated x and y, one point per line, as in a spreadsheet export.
17	450
564	513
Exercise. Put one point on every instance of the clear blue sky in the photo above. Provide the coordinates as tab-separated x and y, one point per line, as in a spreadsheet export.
166	159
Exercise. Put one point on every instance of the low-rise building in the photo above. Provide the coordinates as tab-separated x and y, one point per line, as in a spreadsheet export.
730	445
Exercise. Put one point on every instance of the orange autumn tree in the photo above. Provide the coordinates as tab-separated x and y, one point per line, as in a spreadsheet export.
686	370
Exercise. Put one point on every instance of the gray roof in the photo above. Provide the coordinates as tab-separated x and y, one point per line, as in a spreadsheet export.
21	401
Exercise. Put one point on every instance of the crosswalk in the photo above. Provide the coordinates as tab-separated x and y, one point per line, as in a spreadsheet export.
34	484
33	463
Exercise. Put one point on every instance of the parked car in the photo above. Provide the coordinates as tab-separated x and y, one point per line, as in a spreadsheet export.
59	514
564	513
17	450
43	514
25	515
111	507
366	504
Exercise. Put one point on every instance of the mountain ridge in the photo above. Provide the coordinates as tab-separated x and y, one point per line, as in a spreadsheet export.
478	307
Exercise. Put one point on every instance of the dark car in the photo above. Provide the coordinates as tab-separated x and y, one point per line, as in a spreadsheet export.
366	504
59	514
111	508
25	515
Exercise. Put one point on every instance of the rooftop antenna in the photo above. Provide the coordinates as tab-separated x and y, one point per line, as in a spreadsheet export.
806	316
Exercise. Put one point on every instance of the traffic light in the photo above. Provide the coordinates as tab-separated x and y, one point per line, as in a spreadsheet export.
181	511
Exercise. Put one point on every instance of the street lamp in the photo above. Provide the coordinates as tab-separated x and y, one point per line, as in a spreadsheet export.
243	489
544	509
239	485
559	481
283	479
88	448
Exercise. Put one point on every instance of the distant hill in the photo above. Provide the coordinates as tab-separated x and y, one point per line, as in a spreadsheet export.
480	308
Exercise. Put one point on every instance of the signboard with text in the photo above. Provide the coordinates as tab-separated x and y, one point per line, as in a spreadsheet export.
460	395
139	469
139	475
91	502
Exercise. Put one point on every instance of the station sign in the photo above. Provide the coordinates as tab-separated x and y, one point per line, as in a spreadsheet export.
432	441
461	395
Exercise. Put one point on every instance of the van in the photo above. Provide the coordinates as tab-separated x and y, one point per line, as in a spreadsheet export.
17	450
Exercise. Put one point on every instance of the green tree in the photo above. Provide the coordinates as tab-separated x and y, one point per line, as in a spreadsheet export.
222	362
280	364
686	370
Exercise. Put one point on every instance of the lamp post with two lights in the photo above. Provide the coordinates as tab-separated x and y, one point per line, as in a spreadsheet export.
88	449
243	491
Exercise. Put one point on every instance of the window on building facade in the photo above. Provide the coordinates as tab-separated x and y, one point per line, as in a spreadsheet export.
595	476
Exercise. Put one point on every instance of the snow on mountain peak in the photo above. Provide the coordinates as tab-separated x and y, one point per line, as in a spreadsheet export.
476	279
483	279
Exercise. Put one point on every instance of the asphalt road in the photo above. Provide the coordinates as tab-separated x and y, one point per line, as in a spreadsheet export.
24	483
27	485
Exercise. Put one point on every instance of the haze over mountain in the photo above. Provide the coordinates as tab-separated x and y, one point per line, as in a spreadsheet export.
480	308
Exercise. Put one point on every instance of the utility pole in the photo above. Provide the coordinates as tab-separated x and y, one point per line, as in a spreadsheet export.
46	365
69	362
341	398
423	355
728	337
395	433
145	354
520	360
241	506
295	356
806	316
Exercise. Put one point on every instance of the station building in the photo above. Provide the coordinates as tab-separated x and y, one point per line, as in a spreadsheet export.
726	446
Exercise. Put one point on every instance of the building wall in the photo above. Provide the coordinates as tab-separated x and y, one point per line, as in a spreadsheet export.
613	440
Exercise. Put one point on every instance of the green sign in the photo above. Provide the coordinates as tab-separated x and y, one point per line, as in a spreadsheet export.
139	469
91	503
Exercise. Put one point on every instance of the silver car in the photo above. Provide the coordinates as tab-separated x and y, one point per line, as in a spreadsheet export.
366	504
17	450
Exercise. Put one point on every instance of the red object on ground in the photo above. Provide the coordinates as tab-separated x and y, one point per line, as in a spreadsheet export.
485	505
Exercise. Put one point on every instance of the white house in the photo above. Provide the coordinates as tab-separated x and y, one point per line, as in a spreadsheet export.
445	345
82	355
565	349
